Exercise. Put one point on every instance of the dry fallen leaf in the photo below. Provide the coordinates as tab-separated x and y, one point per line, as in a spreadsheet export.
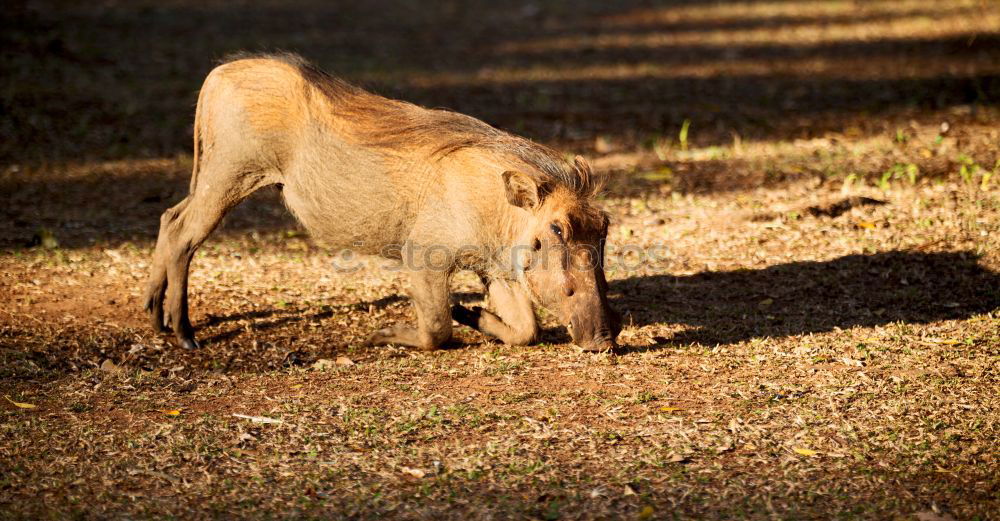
865	225
670	409
171	412
323	364
326	363
259	419
805	452
416	473
646	513
852	362
677	458
109	367
20	405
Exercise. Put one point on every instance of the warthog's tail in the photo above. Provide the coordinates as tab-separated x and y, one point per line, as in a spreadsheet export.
198	146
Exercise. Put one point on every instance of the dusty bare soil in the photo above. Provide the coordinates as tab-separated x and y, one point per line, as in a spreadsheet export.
816	338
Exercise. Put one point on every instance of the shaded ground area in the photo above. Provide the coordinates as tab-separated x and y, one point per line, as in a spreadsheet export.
120	79
808	270
795	298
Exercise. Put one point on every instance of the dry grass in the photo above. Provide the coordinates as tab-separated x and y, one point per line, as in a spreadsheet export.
821	340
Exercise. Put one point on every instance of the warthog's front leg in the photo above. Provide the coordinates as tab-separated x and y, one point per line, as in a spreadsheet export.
430	295
513	321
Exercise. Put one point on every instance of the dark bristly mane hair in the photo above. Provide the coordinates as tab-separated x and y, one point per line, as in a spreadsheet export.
392	125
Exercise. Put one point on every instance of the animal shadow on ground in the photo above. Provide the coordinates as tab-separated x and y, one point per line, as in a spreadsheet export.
266	319
728	307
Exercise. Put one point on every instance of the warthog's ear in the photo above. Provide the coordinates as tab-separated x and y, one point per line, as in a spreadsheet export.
522	191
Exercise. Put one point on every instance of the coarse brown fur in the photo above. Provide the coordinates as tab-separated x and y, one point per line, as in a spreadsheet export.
436	189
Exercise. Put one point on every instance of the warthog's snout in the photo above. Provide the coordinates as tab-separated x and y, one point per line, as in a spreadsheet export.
592	323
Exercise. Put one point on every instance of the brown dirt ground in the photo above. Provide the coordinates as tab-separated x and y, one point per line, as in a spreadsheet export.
819	340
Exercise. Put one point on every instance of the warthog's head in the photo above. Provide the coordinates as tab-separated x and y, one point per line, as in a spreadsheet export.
559	256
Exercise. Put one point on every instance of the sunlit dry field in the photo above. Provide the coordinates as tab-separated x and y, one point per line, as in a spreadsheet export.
818	335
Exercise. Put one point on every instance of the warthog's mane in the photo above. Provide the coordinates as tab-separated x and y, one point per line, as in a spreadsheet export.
393	125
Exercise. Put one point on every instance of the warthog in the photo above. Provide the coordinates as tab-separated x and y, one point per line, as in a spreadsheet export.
386	177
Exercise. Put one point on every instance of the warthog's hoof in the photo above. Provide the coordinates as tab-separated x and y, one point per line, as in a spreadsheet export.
190	343
382	337
401	335
600	347
466	316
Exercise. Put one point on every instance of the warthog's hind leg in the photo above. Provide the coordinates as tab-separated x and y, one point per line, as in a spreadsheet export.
183	229
156	288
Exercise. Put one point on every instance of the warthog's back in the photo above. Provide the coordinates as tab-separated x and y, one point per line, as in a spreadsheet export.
307	131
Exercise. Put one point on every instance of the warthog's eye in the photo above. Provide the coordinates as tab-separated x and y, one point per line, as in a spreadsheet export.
556	230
